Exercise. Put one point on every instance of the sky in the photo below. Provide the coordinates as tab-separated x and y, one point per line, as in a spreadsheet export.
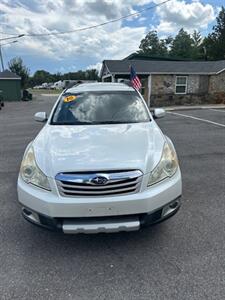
87	49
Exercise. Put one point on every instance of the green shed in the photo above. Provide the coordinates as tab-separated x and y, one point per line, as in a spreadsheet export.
10	86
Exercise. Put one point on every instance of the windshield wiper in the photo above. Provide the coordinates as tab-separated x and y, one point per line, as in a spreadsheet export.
111	122
97	123
120	122
72	123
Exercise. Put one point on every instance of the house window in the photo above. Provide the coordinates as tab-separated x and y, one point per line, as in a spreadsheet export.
143	85
181	85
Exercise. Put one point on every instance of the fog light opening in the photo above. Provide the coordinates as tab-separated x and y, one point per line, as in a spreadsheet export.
170	208
174	205
30	215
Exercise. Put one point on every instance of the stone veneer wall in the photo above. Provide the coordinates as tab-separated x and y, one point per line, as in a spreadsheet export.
217	83
201	90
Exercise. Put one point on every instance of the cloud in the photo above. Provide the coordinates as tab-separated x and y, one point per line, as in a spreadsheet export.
42	16
113	41
96	66
177	14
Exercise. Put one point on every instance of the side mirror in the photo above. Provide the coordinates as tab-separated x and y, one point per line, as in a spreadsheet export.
159	113
41	116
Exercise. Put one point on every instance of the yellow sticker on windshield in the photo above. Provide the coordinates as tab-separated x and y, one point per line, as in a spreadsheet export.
69	98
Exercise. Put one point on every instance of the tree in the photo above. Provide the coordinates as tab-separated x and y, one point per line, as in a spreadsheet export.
198	47
81	75
41	76
215	41
197	38
168	40
17	66
152	45
92	74
182	45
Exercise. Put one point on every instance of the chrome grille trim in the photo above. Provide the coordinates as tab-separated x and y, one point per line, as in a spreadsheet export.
81	185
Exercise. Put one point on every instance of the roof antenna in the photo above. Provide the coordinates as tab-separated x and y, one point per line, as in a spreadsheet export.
205	52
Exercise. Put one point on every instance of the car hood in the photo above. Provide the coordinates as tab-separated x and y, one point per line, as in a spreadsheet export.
98	147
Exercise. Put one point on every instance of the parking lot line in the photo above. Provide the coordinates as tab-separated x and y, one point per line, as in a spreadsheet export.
220	110
198	119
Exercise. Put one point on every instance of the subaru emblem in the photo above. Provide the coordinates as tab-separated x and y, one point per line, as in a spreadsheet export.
99	180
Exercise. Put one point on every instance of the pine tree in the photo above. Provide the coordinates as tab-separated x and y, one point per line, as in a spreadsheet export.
215	42
152	45
182	45
198	50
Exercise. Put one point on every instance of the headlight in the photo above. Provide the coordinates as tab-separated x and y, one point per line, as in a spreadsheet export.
167	166
30	172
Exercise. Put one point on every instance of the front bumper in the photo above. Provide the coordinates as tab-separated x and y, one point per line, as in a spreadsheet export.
107	214
102	224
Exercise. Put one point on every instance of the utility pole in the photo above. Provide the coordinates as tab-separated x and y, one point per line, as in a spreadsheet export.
4	39
1	58
205	53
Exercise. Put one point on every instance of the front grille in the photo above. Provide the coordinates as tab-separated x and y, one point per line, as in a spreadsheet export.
99	184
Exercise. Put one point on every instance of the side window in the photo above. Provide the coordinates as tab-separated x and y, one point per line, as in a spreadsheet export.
181	85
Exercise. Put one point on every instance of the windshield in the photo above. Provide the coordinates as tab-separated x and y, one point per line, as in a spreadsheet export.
100	108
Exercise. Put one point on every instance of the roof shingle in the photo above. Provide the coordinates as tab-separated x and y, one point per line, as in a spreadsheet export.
165	67
8	75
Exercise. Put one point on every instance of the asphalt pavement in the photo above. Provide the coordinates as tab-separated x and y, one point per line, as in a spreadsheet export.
182	258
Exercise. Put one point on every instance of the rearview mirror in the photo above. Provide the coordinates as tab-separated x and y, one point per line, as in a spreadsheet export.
41	116
159	113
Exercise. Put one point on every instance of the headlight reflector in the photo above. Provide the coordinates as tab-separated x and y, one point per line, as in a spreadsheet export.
31	173
167	166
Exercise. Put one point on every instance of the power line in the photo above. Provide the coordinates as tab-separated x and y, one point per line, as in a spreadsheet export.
8	43
101	24
12	37
1	32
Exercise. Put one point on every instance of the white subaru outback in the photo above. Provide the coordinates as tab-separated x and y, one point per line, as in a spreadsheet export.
100	164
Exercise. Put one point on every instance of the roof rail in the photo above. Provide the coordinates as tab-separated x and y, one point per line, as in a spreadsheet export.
125	81
73	85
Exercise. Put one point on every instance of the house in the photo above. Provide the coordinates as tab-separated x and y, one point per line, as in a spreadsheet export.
10	86
171	82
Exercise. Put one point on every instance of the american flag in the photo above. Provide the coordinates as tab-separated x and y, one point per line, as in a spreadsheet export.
135	81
